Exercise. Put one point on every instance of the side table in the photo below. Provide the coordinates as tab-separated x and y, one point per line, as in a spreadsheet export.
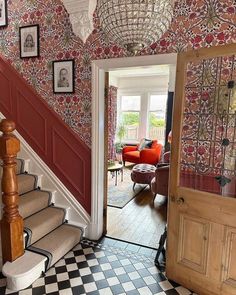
115	168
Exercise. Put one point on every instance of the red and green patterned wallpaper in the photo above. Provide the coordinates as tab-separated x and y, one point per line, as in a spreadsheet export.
196	23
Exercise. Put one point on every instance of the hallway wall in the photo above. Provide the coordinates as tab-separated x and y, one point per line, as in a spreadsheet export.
197	23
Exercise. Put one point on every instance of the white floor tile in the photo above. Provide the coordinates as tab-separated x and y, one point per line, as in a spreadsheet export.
90	287
98	276
128	286
166	285
144	291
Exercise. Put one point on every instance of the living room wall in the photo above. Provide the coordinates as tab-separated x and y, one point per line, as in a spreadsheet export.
196	23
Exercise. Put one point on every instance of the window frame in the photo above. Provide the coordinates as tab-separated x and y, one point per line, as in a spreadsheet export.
145	98
159	93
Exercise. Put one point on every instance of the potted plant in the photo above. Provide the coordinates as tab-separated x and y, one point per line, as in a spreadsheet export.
119	145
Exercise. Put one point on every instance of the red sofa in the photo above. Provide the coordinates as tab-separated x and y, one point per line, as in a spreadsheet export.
146	156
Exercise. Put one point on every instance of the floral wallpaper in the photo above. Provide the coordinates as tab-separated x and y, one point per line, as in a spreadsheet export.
209	128
196	23
112	119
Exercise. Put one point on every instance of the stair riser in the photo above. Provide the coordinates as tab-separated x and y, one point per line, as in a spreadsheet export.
26	183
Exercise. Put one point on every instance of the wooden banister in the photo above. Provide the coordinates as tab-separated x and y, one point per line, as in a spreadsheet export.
12	222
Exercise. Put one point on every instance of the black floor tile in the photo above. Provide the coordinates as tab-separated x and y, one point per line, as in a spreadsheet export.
102	284
117	289
125	259
38	290
109	273
63	285
87	279
139	283
78	290
50	279
74	274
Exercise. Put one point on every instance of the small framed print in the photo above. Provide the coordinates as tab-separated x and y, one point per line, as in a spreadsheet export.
63	76
3	13
29	41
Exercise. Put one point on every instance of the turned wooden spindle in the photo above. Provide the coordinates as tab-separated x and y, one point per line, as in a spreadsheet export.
12	222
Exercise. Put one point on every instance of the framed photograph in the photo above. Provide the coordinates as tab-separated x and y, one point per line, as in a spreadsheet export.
3	13
29	41
63	76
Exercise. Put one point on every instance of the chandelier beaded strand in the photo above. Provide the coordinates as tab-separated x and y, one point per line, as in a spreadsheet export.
135	24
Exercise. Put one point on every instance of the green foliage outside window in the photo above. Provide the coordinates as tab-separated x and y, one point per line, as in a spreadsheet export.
156	122
130	119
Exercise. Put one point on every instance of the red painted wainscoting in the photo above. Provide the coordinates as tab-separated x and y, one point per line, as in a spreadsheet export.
58	146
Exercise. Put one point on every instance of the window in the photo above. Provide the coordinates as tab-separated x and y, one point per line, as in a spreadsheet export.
141	116
130	116
157	117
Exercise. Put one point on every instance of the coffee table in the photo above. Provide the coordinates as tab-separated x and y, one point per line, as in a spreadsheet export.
114	169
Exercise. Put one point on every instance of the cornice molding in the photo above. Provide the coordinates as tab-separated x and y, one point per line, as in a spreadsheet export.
81	16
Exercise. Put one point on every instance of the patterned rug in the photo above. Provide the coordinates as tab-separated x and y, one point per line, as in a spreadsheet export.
121	194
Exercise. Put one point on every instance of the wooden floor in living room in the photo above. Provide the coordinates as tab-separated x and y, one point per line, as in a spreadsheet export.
140	221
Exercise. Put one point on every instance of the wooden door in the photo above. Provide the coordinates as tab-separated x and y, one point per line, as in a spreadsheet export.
201	246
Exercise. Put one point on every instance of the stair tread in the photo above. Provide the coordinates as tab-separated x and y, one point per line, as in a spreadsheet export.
59	242
32	202
43	222
26	183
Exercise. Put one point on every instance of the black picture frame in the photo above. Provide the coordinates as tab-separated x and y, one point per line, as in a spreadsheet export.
3	14
29	41
63	76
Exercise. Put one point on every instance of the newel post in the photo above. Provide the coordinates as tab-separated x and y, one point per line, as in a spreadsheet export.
12	222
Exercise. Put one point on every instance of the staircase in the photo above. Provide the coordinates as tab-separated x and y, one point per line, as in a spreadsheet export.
54	179
46	231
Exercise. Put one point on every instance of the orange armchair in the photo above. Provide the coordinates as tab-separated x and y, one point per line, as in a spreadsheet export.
146	156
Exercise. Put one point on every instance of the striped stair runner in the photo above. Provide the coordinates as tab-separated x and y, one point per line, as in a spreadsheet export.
47	231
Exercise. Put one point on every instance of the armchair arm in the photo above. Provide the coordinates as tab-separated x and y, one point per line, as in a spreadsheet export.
161	183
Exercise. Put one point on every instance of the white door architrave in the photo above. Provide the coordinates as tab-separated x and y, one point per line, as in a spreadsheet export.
99	67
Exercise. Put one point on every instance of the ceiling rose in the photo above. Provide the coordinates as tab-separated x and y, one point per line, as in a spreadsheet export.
135	24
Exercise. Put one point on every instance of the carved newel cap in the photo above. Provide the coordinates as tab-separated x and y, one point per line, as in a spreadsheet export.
9	144
7	126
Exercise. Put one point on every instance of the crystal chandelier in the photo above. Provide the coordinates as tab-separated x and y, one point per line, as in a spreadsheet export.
135	24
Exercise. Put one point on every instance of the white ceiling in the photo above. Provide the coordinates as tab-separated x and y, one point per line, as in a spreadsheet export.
161	70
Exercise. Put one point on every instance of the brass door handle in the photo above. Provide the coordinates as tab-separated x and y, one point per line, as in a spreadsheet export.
180	201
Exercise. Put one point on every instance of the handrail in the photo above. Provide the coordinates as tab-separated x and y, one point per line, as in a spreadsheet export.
12	222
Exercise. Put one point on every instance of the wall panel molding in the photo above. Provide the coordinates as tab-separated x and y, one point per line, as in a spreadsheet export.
37	123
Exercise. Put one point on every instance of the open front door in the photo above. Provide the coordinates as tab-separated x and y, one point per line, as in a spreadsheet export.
201	247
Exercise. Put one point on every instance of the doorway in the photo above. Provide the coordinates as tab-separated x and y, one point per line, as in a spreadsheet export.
98	172
136	101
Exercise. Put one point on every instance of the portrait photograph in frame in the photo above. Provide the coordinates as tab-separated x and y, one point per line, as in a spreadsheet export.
63	76
3	13
29	41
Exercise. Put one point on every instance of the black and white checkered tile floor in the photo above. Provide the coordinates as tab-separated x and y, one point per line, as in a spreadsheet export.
107	268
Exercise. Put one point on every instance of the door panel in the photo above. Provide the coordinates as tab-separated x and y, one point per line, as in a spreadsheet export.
193	242
201	244
230	257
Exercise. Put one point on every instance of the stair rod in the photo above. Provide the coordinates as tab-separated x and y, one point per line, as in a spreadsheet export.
12	222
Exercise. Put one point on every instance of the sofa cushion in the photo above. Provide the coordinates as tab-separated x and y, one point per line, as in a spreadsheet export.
145	143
